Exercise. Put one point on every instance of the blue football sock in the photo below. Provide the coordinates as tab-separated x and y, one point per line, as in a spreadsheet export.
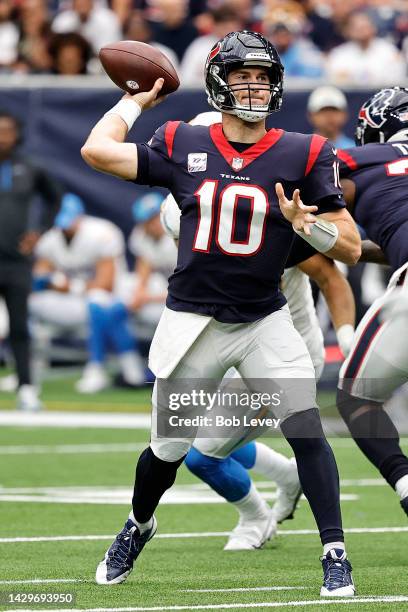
97	332
119	334
226	476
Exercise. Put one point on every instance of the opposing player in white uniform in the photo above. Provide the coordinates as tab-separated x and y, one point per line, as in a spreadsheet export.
222	462
79	263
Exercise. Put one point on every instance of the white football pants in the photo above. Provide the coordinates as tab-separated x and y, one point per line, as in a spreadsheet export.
188	346
378	361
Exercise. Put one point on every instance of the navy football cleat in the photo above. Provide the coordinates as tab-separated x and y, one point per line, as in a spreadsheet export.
337	579
404	504
117	564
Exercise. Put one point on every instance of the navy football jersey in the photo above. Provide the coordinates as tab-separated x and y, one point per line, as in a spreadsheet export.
234	240
380	173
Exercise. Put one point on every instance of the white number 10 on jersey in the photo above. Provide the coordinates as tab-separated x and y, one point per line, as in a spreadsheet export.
227	218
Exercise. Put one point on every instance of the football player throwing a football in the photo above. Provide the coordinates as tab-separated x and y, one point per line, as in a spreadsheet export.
224	305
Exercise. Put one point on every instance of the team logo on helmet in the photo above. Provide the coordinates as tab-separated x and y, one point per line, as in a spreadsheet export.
215	51
375	111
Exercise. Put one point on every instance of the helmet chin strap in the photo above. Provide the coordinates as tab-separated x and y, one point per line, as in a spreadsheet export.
249	115
246	112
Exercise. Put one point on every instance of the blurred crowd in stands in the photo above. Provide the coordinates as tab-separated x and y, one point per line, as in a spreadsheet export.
344	41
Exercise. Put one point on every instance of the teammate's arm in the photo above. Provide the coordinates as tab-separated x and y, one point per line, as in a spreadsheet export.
338	295
372	253
332	233
45	276
105	148
143	270
349	192
104	275
43	266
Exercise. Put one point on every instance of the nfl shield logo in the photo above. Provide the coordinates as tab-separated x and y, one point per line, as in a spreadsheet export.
237	163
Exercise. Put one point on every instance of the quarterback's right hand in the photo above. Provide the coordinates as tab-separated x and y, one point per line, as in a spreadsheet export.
147	99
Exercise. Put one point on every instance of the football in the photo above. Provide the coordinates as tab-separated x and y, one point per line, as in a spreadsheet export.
134	67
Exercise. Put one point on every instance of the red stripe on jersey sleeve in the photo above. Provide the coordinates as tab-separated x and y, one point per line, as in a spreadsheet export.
316	145
169	134
347	159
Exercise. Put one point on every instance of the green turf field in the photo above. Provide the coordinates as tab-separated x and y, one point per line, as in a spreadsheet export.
56	483
59	394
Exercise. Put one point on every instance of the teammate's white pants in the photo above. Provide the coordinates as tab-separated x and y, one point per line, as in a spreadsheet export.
378	360
64	310
269	349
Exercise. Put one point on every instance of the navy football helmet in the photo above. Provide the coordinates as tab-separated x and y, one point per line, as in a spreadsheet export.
383	117
236	50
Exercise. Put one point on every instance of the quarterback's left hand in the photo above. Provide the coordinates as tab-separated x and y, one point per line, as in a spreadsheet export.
297	213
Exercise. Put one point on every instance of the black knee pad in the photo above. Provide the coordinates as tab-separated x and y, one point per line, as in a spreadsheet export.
304	433
305	424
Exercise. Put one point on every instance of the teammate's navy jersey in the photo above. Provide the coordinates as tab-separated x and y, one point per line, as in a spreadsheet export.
234	240
380	174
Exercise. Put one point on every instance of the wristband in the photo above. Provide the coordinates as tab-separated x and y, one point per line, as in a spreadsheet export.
128	110
41	282
323	235
77	286
345	335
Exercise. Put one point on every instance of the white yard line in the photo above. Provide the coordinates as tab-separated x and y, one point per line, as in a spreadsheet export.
101	420
228	606
109	500
98	538
345	482
363	482
68	449
234	590
245	589
108	495
200	534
